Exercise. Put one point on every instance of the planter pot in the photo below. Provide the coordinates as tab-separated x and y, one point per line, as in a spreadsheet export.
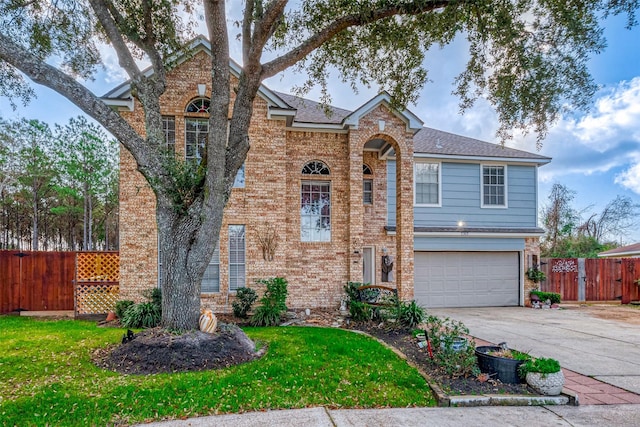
506	370
546	384
458	344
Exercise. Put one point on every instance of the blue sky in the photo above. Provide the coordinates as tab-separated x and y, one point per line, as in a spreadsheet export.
596	154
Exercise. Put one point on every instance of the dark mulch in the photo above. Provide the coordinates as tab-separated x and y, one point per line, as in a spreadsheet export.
155	351
404	341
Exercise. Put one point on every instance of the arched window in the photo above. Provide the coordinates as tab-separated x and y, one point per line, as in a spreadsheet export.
315	168
196	129
367	185
315	205
198	105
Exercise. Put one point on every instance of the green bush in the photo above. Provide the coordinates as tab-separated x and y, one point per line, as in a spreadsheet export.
245	297
145	314
142	315
442	334
552	296
351	289
273	303
410	314
541	365
360	311
122	306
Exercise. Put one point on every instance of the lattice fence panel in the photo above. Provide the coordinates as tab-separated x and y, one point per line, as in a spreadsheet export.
98	267
96	298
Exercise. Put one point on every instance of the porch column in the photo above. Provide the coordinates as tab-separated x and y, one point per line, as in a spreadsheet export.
404	221
356	208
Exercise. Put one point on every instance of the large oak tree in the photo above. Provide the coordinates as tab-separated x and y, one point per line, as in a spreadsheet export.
527	57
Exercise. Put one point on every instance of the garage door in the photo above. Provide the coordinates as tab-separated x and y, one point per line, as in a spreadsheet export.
467	279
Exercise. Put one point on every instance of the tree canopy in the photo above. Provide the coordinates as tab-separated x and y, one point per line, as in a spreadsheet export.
527	57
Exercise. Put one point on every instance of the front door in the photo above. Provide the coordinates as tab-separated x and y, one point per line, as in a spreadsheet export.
368	266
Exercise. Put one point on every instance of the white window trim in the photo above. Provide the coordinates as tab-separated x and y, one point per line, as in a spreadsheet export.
428	205
244	227
318	181
506	186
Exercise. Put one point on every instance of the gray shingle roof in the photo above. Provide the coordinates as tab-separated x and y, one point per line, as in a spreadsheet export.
313	112
433	141
426	140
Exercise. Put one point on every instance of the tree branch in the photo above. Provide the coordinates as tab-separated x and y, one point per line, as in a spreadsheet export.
266	26
125	59
46	75
246	30
355	20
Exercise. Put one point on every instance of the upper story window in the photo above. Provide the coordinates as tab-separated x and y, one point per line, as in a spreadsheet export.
315	168
169	132
426	181
196	138
238	182
494	190
315	205
198	105
367	185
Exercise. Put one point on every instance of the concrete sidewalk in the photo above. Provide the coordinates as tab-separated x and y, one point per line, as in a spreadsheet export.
606	350
610	415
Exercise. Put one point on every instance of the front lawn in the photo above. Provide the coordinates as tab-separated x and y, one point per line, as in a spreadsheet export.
48	378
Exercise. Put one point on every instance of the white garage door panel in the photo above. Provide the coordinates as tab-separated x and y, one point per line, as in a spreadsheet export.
467	279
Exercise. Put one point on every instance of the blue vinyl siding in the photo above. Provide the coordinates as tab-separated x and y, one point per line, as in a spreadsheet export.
466	244
461	199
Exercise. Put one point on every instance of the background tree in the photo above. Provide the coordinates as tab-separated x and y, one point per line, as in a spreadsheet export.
568	236
528	58
32	169
45	178
617	218
559	218
88	160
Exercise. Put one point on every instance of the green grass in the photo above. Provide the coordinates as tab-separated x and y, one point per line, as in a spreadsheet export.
48	378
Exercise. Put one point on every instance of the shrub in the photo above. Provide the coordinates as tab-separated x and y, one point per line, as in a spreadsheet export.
552	296
360	311
122	306
273	302
535	274
442	333
245	297
145	314
351	289
142	315
410	314
542	365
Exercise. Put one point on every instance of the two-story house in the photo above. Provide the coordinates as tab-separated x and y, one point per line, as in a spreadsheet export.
322	198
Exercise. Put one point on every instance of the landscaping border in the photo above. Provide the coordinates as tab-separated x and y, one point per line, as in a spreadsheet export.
445	400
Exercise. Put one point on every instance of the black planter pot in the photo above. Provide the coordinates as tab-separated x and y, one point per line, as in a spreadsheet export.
506	370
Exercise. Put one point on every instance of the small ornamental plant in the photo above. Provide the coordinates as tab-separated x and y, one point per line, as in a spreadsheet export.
542	365
535	274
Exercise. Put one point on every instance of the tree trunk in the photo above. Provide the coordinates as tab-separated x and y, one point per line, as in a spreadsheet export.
184	261
34	238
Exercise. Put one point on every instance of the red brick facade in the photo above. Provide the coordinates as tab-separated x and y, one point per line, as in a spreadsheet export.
271	198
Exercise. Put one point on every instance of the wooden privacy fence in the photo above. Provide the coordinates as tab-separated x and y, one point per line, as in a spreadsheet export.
36	281
87	282
592	279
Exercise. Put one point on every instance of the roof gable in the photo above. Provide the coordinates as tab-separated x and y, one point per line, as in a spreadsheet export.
199	44
412	121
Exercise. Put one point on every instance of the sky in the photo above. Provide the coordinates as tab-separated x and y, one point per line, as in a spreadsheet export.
595	153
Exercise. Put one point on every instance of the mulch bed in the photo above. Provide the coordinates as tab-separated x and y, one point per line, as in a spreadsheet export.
406	344
154	351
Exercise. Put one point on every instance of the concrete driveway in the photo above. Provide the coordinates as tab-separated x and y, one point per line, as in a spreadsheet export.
607	350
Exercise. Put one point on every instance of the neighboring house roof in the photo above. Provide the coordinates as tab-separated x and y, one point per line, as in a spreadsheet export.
622	252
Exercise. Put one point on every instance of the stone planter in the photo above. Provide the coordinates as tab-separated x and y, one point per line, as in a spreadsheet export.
546	384
502	368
